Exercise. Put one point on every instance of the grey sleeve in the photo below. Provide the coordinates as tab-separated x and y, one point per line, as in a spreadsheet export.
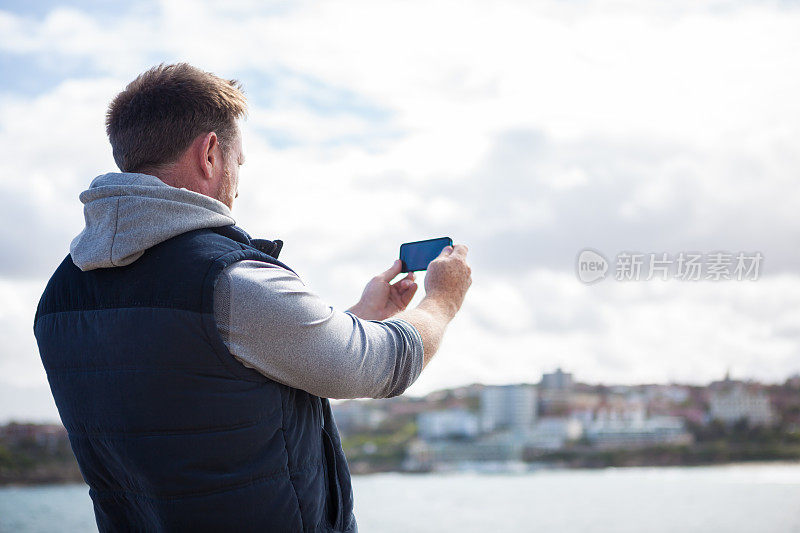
271	322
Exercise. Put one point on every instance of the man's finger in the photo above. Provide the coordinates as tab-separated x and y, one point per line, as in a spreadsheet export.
402	292
447	250
395	297
403	284
407	295
394	270
460	249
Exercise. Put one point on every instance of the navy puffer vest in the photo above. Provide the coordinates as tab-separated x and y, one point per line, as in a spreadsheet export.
171	432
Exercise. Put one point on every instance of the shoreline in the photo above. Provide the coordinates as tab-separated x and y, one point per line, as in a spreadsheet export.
532	469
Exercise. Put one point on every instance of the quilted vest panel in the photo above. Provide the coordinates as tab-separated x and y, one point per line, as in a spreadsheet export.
170	431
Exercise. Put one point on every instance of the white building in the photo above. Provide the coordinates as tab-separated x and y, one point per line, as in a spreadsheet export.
552	433
673	394
508	407
355	415
733	401
624	409
638	432
443	455
447	424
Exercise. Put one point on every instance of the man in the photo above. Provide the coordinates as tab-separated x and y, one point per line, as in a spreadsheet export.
189	365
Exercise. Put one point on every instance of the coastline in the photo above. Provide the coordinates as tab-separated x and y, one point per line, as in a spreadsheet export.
478	468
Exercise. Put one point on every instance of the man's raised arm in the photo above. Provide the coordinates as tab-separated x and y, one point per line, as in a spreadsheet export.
271	322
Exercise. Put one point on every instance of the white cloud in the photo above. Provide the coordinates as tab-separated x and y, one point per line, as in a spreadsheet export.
529	130
616	332
20	364
56	145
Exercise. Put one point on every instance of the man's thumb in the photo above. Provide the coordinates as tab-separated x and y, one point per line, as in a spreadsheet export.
394	270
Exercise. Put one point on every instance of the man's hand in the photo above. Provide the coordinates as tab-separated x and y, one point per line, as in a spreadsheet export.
449	277
446	283
382	299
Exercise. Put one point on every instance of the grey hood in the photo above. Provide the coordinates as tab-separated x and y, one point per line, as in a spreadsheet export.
127	213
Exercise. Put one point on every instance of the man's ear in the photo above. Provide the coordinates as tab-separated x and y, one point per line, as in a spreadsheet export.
209	154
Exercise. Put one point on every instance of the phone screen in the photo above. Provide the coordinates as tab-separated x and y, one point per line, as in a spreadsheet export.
418	255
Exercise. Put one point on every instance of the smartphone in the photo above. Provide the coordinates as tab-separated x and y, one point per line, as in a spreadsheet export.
418	255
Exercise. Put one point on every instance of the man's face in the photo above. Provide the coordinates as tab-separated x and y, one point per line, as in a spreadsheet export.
229	184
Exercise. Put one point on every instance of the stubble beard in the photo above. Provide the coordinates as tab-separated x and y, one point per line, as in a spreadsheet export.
225	193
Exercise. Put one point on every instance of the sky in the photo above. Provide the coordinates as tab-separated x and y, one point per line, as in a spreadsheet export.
528	130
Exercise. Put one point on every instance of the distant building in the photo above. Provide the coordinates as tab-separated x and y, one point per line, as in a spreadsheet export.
629	408
555	393
582	406
508	408
553	433
731	401
354	416
48	436
638	432
668	400
558	380
446	454
674	394
447	424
